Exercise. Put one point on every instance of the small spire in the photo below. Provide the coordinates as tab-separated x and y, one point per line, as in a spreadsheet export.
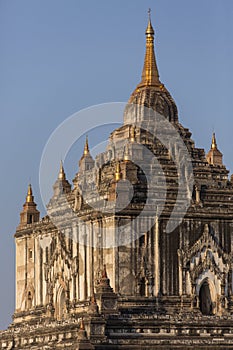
214	143
93	299
82	334
29	197
150	74
118	172
93	306
86	147
29	214
82	327
104	272
214	156
86	162
61	175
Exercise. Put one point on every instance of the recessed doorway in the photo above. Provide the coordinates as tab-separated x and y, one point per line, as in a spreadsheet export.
206	303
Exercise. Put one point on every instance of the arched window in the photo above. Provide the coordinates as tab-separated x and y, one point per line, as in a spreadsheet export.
61	304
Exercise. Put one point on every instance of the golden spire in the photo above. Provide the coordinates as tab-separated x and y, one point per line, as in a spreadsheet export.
118	172
82	327
61	175
150	74
86	147
214	156
82	335
214	143
29	197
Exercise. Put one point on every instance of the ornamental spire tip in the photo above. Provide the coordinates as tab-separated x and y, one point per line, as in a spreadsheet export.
29	197
86	147
61	175
214	143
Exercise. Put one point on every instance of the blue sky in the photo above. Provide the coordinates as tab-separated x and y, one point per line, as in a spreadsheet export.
58	57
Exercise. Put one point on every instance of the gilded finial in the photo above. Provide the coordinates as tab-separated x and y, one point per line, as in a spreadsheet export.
61	175
150	74
29	197
118	172
213	143
149	29
86	147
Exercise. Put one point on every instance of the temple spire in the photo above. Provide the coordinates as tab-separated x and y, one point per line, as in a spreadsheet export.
61	175
214	143
86	147
150	92
86	162
214	156
29	197
150	74
61	185
29	214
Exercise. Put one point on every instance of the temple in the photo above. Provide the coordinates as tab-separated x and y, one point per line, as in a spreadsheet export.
137	252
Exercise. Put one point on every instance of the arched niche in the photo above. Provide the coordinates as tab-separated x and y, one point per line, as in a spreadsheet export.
29	300
207	297
60	309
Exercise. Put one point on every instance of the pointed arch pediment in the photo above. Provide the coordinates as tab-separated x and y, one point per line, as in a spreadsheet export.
61	252
205	243
60	265
205	254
